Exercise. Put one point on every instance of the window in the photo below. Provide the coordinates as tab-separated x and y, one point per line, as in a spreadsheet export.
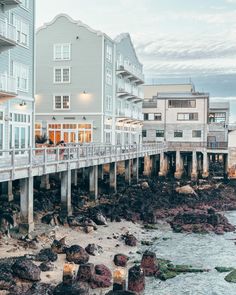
62	102
157	117
38	129
151	117
25	3
109	53
21	72
159	133
178	133
144	133
197	133
109	76
108	105
108	137
218	117
181	103
22	30
62	51
145	117
62	75
187	116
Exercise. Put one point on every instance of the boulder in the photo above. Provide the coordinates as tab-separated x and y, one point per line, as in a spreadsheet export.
136	279
93	249
186	190
77	254
59	247
149	263
130	240
76	288
102	270
26	269
100	282
121	260
231	277
86	272
6	279
40	289
100	219
46	255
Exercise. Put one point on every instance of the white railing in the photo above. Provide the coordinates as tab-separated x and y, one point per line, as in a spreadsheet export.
7	30
35	157
131	70
8	83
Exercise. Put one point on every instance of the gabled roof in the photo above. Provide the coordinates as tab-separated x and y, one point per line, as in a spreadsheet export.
76	22
124	36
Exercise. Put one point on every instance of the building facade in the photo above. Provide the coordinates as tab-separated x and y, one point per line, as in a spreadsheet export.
16	73
77	74
176	114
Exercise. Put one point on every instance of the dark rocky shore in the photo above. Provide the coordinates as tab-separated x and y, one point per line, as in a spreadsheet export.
188	207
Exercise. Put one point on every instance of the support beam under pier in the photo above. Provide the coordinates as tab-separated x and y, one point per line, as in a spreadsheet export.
128	171
26	205
135	169
93	181
66	192
194	173
113	178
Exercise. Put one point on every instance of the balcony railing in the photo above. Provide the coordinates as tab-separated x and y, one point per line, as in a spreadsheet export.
7	34
8	85
128	70
10	2
217	145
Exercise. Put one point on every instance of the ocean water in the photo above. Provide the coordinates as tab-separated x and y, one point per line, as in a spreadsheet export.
200	251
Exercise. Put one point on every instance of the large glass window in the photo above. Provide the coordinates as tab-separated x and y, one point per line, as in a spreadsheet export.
182	103
22	30
62	51
62	102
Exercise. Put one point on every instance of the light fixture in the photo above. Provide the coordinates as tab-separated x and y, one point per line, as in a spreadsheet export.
84	118
53	118
84	92
22	103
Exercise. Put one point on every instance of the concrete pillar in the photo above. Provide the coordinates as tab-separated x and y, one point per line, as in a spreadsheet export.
128	171
179	165
26	205
225	158
45	183
194	173
93	181
147	166
100	172
135	169
66	192
113	172
74	177
7	190
205	172
163	164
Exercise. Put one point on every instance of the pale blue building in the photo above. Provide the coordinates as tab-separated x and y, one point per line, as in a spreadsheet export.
17	35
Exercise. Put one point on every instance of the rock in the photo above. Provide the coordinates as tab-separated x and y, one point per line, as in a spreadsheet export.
59	247
86	272
46	255
40	289
6	279
6	222
130	240
100	219
49	219
231	277
136	279
102	270
99	281
46	266
224	269
26	269
88	229
149	263
76	288
186	190
77	254
69	273
144	185
121	260
93	249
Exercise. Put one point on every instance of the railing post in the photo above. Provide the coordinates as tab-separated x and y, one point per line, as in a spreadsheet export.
13	162
45	159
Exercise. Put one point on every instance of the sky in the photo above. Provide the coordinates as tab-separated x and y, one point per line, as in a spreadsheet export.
177	41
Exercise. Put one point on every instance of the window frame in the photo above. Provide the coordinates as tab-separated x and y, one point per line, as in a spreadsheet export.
62	52
181	103
62	98
161	131
189	117
109	78
196	133
109	53
19	68
180	132
61	69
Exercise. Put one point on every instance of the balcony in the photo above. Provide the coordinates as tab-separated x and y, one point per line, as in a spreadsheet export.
11	3
7	35
128	72
8	87
128	116
129	92
217	145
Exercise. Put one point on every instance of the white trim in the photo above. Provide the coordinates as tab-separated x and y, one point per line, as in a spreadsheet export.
103	86
62	82
66	114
